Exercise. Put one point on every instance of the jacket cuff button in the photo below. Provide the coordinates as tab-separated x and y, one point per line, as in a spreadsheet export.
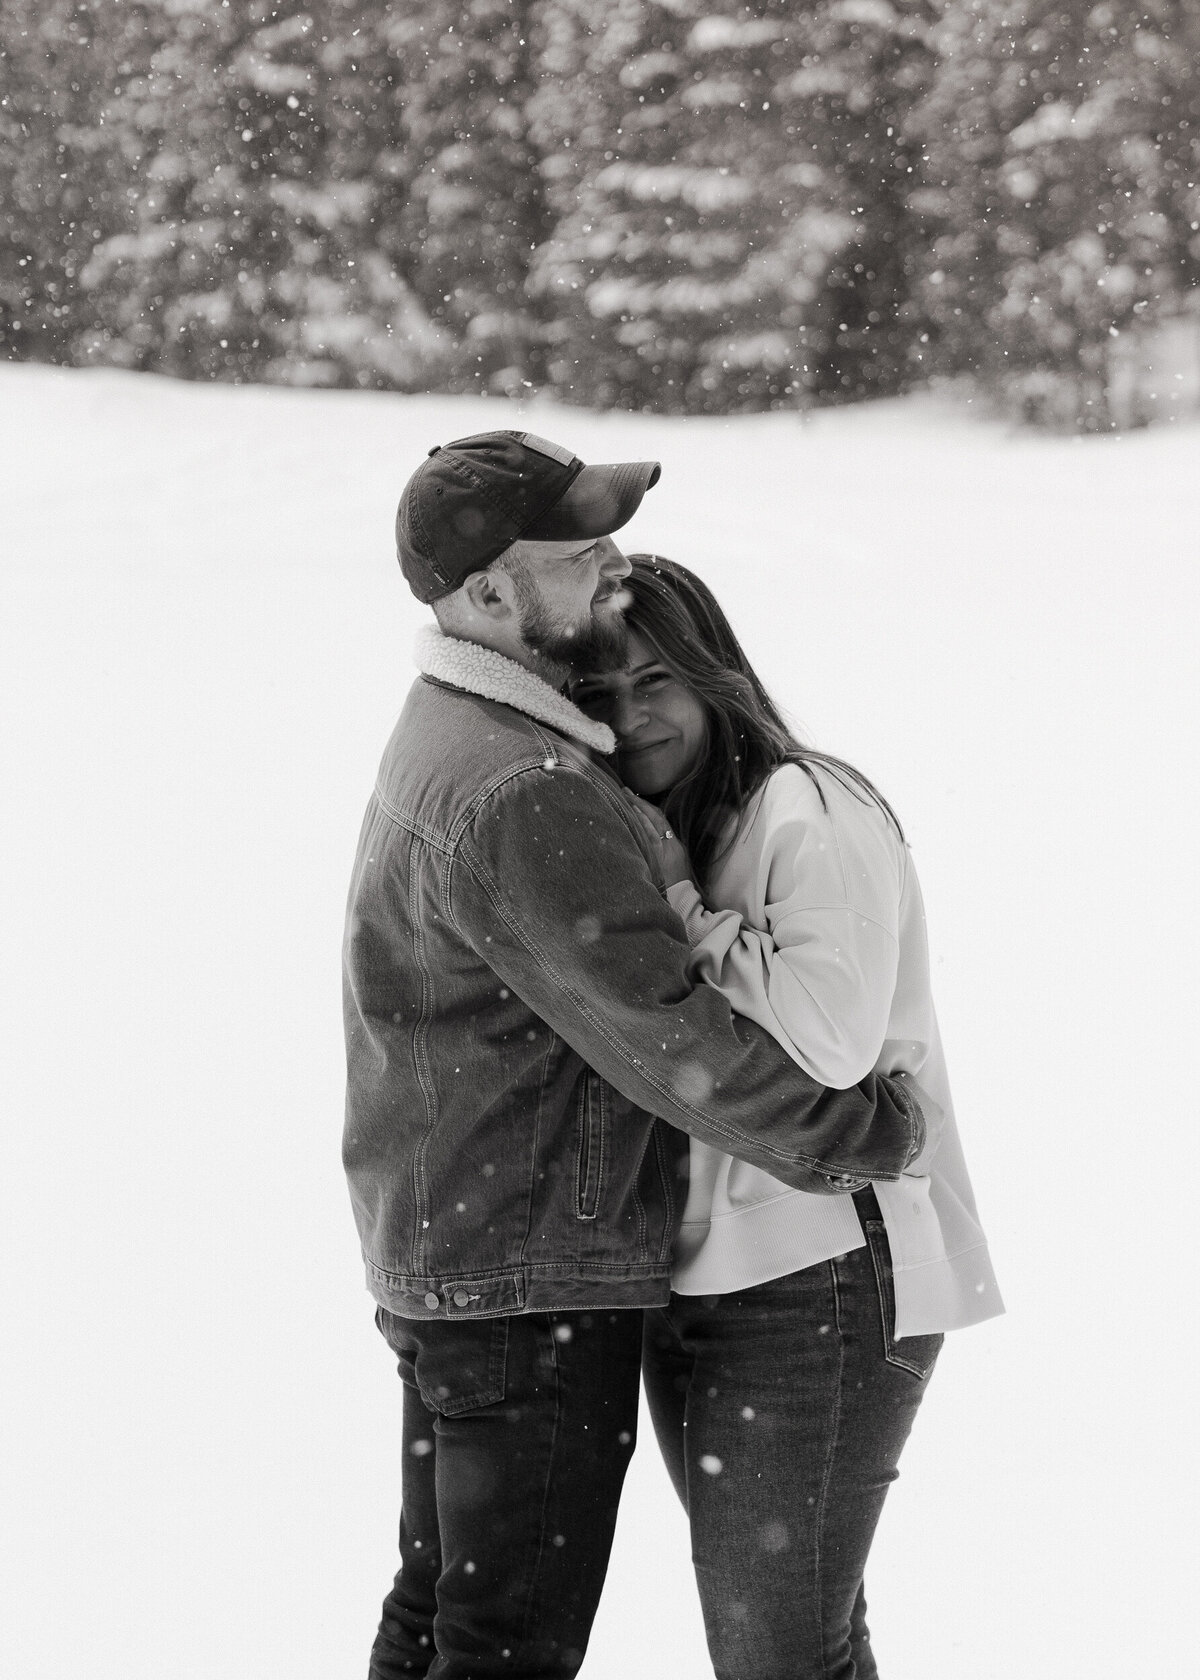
461	1298
432	1301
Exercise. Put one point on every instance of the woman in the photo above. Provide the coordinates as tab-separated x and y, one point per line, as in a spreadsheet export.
785	1373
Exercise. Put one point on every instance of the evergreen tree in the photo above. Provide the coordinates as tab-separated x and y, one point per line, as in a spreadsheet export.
61	184
1062	154
685	205
261	139
730	182
866	66
476	206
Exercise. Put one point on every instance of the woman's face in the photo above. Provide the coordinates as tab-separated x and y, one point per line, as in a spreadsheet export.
659	723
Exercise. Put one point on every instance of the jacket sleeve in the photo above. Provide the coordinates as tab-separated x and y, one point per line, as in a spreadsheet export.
551	887
820	976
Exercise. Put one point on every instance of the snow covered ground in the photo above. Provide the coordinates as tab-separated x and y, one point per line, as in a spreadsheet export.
203	641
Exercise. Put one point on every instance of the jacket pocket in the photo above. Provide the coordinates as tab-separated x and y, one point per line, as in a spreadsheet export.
589	1147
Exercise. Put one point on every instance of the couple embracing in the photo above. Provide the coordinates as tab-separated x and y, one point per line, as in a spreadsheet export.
644	1080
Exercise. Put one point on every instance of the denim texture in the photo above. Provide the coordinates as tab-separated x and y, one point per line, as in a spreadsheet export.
517	1435
518	1011
781	1412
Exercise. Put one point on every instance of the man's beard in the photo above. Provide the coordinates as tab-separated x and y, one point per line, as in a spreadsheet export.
596	644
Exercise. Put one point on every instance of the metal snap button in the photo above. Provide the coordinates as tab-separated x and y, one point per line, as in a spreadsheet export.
461	1298
432	1302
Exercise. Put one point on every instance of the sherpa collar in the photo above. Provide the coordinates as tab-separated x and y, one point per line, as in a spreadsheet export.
481	670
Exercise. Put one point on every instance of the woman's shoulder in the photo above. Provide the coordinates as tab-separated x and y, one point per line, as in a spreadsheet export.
816	815
826	794
814	783
786	799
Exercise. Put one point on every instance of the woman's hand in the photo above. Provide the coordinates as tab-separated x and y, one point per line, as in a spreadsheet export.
670	850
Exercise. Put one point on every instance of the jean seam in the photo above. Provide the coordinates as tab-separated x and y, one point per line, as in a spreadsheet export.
498	1360
535	1573
827	1472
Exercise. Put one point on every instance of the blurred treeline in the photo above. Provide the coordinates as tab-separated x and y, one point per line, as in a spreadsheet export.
685	206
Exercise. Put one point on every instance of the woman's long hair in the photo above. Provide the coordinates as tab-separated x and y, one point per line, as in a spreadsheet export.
679	617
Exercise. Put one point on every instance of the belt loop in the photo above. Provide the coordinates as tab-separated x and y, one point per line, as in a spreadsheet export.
867	1204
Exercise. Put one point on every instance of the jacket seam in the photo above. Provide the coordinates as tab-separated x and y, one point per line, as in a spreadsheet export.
447	843
411	825
633	1269
670	1221
535	1144
553	760
424	1079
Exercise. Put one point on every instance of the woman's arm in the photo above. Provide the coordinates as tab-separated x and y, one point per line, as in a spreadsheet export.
820	975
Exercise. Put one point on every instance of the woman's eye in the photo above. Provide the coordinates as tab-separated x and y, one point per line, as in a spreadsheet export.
653	680
595	703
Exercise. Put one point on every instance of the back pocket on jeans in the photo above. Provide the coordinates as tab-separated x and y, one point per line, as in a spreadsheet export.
915	1354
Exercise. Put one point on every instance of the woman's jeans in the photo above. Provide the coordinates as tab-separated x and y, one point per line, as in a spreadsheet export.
517	1435
781	1412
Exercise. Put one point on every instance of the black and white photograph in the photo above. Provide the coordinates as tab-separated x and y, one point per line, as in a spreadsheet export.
598	897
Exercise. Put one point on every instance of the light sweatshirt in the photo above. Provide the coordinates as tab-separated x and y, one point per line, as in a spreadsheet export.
818	934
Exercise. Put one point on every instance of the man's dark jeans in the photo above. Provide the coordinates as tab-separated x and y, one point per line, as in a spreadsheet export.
781	1412
517	1435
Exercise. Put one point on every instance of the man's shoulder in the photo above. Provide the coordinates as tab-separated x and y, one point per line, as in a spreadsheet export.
452	752
438	710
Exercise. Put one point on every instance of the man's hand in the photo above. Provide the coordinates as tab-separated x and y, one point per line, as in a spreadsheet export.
672	855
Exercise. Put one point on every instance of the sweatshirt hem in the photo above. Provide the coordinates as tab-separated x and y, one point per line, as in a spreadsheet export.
743	1247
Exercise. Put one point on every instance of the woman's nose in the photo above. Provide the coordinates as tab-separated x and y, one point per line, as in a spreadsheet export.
630	713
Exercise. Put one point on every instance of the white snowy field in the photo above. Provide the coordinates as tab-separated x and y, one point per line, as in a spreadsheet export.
204	639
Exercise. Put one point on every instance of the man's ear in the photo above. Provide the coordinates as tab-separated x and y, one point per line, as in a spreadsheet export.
491	594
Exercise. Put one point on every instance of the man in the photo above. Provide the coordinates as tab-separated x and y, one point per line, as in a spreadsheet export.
518	1012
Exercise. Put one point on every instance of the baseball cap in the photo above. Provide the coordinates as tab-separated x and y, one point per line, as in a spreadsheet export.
469	500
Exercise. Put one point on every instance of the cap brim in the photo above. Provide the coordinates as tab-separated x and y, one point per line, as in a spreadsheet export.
598	500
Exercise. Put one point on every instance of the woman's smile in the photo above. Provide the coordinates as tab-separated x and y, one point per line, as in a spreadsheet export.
659	723
628	747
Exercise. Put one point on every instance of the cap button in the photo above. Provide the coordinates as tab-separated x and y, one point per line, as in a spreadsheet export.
461	1298
432	1302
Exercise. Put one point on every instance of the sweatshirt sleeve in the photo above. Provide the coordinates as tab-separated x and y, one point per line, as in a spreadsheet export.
820	973
550	886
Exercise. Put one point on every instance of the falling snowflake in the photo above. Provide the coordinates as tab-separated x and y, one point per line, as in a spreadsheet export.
774	1537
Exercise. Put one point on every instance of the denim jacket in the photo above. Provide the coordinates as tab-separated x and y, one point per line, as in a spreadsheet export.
518	1012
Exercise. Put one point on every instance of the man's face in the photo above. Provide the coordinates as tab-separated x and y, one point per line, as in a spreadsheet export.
570	600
